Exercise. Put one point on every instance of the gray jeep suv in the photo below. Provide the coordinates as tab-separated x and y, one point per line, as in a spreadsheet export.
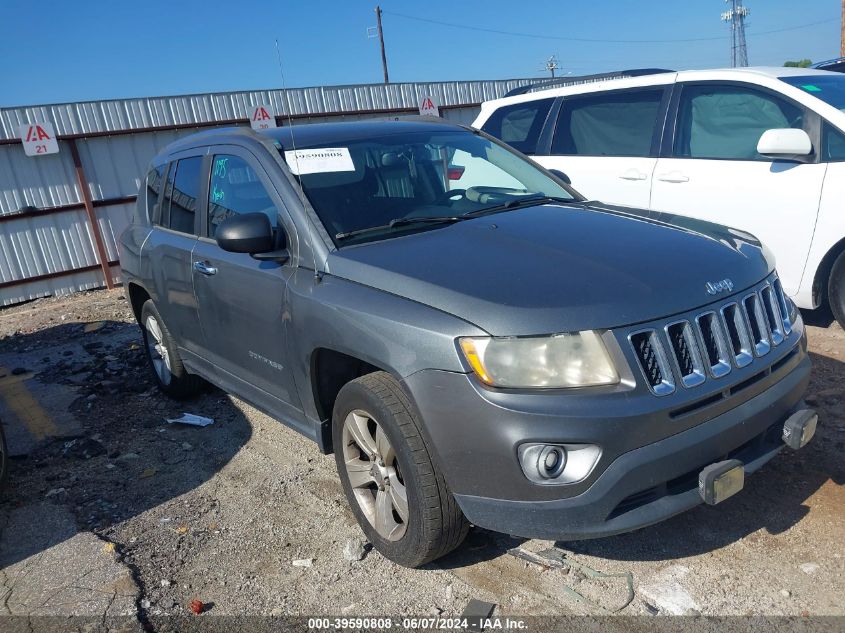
474	341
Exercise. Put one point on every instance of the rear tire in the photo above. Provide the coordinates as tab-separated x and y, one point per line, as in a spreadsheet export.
836	289
395	491
163	356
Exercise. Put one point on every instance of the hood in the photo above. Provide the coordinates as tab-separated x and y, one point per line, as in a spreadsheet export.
556	268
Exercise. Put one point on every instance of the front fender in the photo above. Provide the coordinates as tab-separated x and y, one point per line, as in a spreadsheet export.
395	334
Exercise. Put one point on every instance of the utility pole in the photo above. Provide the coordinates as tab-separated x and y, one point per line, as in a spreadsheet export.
736	16
381	42
552	64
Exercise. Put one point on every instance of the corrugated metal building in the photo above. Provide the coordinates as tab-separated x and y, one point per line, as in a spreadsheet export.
60	214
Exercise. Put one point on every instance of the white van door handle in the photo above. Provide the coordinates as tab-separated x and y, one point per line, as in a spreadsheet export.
673	176
633	174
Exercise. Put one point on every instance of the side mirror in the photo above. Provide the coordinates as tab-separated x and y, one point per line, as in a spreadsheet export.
247	233
785	143
561	176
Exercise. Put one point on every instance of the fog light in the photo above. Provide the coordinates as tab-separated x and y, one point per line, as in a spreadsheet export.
719	481
800	428
552	464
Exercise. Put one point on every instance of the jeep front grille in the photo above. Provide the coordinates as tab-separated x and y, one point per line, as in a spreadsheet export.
685	353
738	333
715	342
784	307
653	362
757	321
773	317
712	343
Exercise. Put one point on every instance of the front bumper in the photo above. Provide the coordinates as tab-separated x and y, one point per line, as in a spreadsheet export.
650	461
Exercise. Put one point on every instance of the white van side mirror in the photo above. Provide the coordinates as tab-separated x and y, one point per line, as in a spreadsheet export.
785	143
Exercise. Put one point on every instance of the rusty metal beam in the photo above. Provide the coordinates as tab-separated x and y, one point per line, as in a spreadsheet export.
74	206
58	273
92	216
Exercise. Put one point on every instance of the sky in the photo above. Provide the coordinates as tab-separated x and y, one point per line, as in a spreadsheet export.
58	50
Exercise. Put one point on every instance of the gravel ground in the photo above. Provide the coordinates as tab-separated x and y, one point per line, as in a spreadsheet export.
248	517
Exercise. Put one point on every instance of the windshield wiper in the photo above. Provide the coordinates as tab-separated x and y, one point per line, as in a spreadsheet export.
450	219
520	202
397	222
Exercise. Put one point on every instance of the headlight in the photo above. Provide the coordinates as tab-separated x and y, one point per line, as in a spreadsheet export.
578	359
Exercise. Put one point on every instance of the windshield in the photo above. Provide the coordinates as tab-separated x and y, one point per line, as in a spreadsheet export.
830	89
375	188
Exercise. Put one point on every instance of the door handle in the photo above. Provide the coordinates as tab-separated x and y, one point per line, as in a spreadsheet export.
673	176
633	174
205	269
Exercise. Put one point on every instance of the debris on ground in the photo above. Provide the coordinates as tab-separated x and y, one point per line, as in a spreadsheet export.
83	448
303	562
196	607
650	608
353	550
476	612
191	420
553	558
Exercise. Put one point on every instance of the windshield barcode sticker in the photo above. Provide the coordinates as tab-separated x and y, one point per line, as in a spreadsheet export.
319	161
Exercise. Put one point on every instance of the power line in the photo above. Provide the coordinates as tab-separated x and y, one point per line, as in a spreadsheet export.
469	27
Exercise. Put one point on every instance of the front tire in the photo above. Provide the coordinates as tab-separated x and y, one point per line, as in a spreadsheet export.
163	357
836	289
395	491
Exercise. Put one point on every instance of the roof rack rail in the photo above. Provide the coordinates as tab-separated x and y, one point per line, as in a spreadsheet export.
839	61
585	79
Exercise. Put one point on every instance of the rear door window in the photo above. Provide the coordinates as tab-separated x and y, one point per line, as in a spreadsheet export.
162	217
519	125
608	124
154	189
184	195
236	188
726	121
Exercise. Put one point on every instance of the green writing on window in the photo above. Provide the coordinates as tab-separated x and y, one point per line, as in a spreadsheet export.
217	194
220	167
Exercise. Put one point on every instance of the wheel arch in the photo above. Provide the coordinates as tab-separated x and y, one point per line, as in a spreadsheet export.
138	295
822	274
330	370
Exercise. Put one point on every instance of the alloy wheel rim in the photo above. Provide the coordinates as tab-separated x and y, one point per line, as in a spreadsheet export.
159	356
374	475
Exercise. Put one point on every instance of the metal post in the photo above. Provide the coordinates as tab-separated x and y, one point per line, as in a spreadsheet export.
92	216
381	42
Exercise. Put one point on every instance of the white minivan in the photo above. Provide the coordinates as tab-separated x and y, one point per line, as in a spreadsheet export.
758	149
